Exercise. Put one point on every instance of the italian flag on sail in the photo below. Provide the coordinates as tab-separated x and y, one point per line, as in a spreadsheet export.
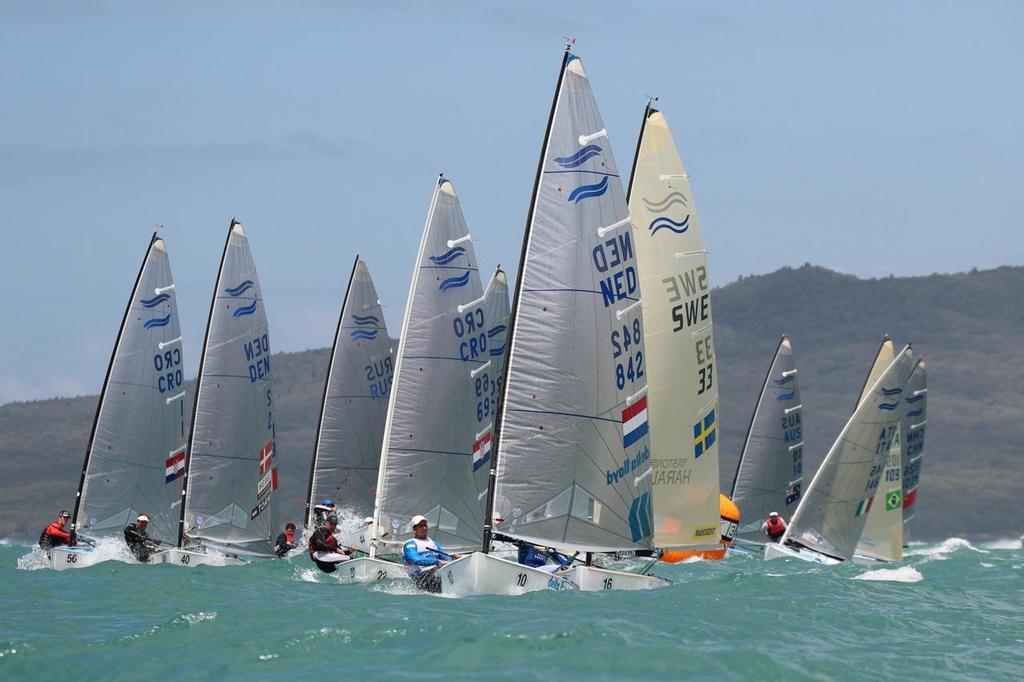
864	506
482	451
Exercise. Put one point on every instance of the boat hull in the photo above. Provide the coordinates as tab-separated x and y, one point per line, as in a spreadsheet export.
774	550
190	558
64	558
481	573
593	579
367	570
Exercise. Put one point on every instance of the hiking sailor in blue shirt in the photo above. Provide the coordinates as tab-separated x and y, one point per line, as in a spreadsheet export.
537	557
423	557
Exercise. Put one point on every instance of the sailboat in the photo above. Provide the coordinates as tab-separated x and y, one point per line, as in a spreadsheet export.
230	468
682	386
571	452
436	434
354	407
769	475
915	419
882	537
830	516
138	434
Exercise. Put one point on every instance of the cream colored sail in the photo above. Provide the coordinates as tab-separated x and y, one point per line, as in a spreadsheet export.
682	377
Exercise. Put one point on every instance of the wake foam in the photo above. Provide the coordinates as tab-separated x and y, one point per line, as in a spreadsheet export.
903	574
1005	544
107	549
944	549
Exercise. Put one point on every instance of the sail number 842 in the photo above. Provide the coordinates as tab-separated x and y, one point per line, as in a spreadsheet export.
632	366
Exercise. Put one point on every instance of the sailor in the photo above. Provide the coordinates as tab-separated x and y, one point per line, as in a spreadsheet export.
537	557
323	546
54	535
423	556
774	527
285	541
138	540
321	512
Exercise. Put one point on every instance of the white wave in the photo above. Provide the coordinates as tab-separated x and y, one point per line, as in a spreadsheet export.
196	618
944	549
1005	544
903	574
105	549
308	575
987	565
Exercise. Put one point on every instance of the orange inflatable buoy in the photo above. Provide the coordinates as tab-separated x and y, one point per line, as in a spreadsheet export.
730	515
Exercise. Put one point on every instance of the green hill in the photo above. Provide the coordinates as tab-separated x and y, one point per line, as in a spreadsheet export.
968	325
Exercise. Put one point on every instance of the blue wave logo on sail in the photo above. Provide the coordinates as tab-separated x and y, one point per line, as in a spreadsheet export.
155	301
892	391
668	202
889	406
158	322
497	351
915	399
363	333
245	310
784	380
665	223
915	413
589	191
454	282
494	331
786	396
580	157
448	256
240	289
365	319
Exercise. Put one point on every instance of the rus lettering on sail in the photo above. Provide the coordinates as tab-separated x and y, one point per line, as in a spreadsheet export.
379	375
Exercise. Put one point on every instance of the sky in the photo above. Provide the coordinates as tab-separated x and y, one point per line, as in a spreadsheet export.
873	138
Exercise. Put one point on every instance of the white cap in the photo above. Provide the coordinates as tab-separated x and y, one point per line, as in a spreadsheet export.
417	520
368	519
143	517
774	514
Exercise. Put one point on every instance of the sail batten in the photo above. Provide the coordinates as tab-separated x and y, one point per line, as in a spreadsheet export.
683	385
569	448
134	456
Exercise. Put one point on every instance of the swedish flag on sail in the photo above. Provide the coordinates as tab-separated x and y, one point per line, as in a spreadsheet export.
704	434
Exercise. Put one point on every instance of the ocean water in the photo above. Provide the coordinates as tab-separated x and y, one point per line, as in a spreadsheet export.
953	610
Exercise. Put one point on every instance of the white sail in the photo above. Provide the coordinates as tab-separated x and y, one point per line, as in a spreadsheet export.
355	402
915	420
426	464
769	476
136	451
882	537
231	468
572	449
680	358
831	515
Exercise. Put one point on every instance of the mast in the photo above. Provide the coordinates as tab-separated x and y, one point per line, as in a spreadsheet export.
648	110
753	416
327	383
106	380
199	386
510	334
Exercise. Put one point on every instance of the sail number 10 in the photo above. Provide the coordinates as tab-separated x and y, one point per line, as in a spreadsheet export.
632	367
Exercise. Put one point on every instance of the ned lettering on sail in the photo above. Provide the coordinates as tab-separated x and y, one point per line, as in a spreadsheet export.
258	350
621	284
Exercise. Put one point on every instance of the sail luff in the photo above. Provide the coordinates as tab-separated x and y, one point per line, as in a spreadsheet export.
753	418
106	380
510	333
198	386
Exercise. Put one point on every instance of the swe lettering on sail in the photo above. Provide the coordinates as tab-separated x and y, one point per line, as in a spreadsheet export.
257	354
620	282
691	293
168	367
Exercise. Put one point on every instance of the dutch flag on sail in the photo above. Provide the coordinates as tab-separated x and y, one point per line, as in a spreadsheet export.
634	422
174	466
482	451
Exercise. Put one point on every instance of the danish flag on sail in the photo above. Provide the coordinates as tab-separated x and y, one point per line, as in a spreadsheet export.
174	466
266	457
482	451
634	422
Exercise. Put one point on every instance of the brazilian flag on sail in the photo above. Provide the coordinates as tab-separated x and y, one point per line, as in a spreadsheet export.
893	500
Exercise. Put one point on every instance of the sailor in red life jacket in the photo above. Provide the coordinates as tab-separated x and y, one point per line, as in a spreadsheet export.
324	549
55	535
774	527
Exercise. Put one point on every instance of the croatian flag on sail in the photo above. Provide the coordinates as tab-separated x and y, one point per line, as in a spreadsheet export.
174	467
634	422
481	451
266	457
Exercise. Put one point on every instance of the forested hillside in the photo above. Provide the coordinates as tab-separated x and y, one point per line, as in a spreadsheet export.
970	326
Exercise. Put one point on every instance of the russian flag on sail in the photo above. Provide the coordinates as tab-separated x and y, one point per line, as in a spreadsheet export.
482	451
174	467
634	422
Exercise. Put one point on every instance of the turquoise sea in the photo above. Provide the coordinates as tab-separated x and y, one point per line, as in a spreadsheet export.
953	610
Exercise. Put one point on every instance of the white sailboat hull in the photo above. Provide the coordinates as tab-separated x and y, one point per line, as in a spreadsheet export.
481	573
774	550
190	558
593	579
367	570
63	558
